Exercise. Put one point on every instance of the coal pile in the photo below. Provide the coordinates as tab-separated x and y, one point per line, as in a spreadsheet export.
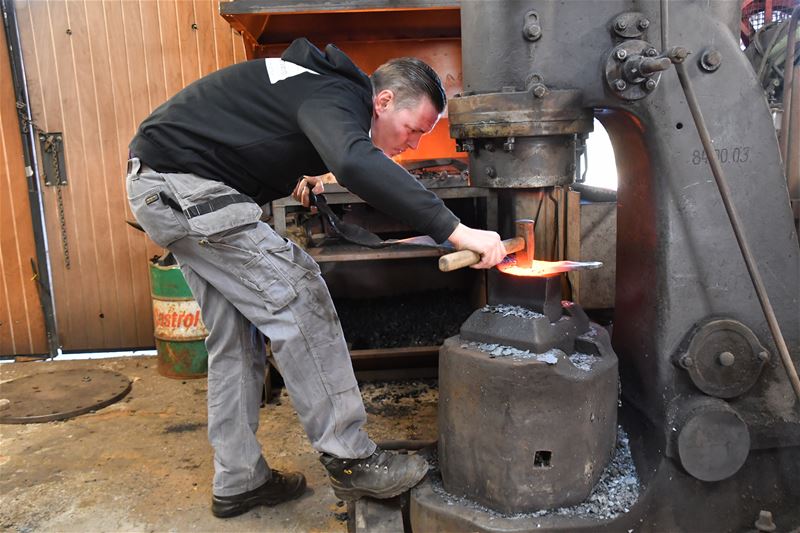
615	493
423	319
398	398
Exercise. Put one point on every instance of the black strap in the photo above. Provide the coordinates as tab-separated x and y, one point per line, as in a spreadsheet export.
170	202
215	204
212	205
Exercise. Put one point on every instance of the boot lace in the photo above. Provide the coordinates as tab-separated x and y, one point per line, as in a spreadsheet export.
377	461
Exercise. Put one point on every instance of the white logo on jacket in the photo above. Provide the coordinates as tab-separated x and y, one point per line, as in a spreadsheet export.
278	69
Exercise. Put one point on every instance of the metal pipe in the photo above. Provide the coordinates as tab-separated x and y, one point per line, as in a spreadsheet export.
405	444
766	51
664	27
788	88
793	155
43	267
719	177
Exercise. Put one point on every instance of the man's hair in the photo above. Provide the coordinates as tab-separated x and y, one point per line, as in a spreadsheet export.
409	79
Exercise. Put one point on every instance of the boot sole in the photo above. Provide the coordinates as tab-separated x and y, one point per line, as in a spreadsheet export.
229	510
356	493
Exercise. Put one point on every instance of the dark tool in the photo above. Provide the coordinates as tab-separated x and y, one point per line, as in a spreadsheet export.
358	235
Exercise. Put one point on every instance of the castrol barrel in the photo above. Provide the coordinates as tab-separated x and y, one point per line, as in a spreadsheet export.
179	330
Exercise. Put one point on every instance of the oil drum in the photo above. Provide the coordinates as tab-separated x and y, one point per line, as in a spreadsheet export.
179	330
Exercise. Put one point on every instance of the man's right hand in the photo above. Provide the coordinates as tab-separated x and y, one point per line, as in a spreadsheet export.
486	243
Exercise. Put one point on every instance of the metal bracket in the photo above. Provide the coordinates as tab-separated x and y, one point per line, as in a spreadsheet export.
53	164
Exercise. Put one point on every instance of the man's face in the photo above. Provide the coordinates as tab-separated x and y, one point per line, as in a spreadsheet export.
395	129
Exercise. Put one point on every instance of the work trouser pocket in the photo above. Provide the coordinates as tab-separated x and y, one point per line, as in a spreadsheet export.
157	219
269	265
191	190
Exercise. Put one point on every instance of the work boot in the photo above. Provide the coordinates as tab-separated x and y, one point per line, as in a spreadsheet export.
279	488
383	474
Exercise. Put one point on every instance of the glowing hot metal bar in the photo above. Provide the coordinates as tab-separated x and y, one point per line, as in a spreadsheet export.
543	269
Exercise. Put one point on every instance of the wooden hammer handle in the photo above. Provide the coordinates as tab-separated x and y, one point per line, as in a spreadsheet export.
465	258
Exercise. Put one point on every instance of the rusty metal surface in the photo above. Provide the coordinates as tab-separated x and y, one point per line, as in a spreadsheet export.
61	394
182	360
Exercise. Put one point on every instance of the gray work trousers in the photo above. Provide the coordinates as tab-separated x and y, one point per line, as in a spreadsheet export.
242	273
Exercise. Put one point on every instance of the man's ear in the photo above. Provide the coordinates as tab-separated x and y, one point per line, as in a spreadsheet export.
382	101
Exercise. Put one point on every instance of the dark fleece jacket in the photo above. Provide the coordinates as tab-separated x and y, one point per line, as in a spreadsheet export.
237	126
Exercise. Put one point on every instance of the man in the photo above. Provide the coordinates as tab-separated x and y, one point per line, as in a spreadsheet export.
200	166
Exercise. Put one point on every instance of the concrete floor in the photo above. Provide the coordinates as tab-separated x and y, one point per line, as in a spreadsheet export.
144	463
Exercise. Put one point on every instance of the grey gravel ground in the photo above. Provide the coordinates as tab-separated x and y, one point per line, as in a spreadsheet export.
615	493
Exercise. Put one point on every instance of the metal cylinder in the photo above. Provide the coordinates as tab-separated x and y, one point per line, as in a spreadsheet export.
516	139
535	162
179	330
710	438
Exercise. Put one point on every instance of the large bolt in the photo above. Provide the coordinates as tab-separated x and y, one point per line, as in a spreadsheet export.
533	32
643	24
539	90
687	361
620	85
651	52
621	25
650	85
677	54
726	359
763	356
710	60
491	172
621	54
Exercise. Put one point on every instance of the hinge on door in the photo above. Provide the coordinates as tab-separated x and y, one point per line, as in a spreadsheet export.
55	169
55	174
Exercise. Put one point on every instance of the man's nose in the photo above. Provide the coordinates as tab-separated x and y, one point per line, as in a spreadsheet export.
413	142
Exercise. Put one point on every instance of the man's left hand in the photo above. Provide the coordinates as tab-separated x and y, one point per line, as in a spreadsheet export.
300	192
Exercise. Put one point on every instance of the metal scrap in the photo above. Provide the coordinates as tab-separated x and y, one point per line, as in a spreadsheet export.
511	310
500	350
583	361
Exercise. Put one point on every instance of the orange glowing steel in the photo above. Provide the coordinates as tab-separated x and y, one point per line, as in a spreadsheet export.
545	269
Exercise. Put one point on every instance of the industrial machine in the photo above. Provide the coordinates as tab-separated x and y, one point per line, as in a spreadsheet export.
697	384
713	421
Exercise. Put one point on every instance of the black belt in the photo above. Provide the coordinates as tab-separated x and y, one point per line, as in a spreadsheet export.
196	210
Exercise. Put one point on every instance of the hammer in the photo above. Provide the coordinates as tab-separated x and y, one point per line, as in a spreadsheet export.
523	243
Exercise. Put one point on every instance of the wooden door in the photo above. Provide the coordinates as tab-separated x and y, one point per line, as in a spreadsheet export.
95	70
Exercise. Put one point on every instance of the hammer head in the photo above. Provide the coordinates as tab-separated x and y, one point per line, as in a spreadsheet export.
525	230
